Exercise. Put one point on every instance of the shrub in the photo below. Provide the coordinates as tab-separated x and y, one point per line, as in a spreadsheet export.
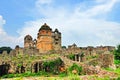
76	68
117	53
52	66
118	78
71	56
117	61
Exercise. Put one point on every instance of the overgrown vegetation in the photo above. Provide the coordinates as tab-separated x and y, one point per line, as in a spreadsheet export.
117	53
52	66
27	74
91	57
118	78
71	56
117	70
117	56
117	62
75	69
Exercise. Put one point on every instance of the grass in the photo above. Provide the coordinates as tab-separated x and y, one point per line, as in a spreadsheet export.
46	78
117	71
70	77
117	61
94	77
112	70
63	74
27	74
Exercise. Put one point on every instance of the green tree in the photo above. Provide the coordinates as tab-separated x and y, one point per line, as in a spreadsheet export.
8	49
64	47
117	53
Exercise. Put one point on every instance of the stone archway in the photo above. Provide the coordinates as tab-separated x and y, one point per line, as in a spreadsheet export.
4	69
37	67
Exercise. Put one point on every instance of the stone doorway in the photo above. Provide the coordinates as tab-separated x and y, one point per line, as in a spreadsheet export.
4	69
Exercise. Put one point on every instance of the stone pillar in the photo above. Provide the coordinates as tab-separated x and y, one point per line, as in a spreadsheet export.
79	59
38	67
32	68
75	57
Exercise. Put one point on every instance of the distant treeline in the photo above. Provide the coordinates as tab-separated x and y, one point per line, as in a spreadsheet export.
8	49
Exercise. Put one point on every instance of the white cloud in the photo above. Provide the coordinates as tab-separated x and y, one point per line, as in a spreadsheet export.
97	10
5	39
2	22
80	27
41	2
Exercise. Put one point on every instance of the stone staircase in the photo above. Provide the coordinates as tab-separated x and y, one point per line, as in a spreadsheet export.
69	62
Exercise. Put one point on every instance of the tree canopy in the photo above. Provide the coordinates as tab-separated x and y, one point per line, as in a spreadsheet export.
117	52
8	49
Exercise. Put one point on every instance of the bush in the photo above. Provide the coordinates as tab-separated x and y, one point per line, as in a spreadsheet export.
118	78
71	56
117	53
117	61
52	66
75	67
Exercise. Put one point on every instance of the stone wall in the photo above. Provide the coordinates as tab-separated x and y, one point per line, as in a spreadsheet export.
106	59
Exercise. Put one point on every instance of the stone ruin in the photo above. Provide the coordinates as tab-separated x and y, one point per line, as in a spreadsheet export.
32	48
89	67
8	67
104	59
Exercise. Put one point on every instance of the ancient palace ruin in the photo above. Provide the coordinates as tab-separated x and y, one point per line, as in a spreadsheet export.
46	40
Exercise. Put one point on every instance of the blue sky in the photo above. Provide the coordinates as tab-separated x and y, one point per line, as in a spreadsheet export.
84	22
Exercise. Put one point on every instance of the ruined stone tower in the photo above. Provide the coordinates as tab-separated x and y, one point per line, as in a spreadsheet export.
56	40
46	40
28	41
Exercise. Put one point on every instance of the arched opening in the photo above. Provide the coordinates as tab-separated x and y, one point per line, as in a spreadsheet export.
4	69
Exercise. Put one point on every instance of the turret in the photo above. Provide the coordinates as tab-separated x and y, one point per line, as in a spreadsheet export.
57	40
44	39
28	41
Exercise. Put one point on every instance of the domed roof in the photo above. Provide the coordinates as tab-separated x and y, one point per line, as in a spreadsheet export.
45	27
28	37
56	30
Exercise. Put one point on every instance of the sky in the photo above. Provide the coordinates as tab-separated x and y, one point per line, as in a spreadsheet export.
83	22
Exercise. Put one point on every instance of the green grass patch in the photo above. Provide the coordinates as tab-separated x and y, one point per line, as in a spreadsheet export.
117	62
27	74
63	74
98	78
117	70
